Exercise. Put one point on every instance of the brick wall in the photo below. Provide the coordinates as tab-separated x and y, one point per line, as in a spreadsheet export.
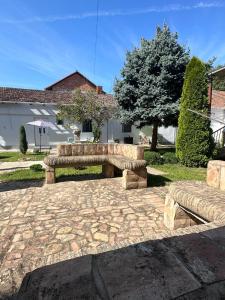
218	99
72	82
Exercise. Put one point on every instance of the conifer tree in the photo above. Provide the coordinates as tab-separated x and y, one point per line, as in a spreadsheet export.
23	140
194	144
151	82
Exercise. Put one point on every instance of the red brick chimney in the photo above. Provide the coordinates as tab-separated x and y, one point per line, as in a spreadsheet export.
99	89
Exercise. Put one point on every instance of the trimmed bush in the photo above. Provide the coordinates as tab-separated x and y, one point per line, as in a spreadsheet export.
153	158
170	158
194	145
23	140
36	168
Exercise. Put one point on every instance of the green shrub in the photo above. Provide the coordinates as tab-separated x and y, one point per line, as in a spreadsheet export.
170	158
194	145
23	140
96	133
218	152
153	158
36	168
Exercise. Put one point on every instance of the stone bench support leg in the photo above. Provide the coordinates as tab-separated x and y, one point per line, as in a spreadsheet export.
174	216
135	179
108	170
50	175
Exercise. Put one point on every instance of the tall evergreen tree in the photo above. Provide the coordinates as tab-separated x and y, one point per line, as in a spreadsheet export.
151	82
194	140
23	140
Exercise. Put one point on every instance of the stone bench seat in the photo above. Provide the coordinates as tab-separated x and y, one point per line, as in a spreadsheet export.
129	158
196	197
118	161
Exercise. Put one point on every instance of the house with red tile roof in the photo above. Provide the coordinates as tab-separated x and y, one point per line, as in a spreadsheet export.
20	106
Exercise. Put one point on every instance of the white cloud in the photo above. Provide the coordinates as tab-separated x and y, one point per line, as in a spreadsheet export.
114	13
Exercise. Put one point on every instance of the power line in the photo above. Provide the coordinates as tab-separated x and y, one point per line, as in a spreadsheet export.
205	116
96	37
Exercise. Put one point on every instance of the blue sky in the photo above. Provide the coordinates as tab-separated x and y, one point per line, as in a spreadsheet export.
43	41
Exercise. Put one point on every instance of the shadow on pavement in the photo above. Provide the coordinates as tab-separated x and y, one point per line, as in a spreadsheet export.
187	266
17	185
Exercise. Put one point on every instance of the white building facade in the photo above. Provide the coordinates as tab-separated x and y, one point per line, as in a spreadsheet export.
20	106
15	115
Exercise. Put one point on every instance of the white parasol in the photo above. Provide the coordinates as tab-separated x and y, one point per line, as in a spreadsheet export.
41	124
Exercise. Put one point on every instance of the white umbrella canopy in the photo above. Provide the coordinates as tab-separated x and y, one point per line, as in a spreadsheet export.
42	123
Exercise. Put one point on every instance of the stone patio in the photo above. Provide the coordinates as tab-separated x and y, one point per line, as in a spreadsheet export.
41	225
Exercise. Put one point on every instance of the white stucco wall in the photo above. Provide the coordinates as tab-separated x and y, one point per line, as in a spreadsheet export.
218	114
12	116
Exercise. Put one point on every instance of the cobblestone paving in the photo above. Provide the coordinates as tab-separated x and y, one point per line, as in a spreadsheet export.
77	217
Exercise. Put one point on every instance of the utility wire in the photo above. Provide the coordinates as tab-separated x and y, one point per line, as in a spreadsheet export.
96	37
205	116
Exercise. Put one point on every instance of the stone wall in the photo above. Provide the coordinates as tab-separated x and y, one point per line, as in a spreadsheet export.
216	174
130	151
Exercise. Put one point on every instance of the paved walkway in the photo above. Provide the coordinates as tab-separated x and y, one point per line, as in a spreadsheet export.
15	165
41	225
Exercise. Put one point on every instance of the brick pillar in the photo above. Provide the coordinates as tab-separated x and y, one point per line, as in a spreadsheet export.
108	170
135	179
50	175
175	217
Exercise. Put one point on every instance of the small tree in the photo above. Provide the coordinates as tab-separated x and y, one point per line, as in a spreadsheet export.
86	106
151	83
218	81
23	140
194	144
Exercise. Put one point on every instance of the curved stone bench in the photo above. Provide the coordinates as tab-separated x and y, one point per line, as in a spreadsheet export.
128	158
187	200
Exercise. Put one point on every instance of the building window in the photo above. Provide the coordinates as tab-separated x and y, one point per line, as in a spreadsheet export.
59	121
126	127
87	126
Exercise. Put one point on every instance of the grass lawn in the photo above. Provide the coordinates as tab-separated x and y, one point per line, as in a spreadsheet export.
17	156
176	172
28	174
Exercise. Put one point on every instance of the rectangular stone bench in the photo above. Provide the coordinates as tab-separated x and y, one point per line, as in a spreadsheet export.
129	158
189	203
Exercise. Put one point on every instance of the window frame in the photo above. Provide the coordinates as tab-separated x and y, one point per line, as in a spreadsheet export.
126	129
87	126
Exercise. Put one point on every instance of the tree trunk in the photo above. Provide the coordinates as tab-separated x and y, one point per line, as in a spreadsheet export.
154	136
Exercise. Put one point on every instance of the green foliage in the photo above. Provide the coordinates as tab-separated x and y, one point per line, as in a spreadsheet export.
96	133
218	81
219	84
23	140
170	158
153	158
17	156
175	172
151	81
219	152
194	145
28	174
36	168
86	106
